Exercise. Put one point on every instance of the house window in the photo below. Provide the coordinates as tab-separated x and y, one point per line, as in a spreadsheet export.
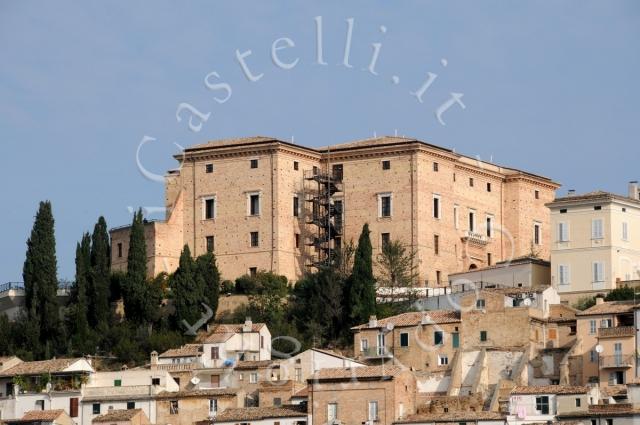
209	208
385	205
597	231
455	340
337	171
483	336
536	194
542	404
438	338
39	404
131	405
173	407
436	244
578	402
438	277
386	165
209	240
593	356
215	353
298	374
254	204
208	168
609	421
455	216
598	271
296	206
254	163
489	261
117	382
563	211
472	220
95	408
296	238
480	303
373	411
488	187
489	226
625	231
213	406
443	360
332	412
364	344
471	181
295	165
592	327
597	207
253	271
253	377
563	232
277	401
404	339
155	381
119	249
536	233
435	167
563	274
436	206
254	239
386	239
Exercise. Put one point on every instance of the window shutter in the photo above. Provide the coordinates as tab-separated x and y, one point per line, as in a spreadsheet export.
567	274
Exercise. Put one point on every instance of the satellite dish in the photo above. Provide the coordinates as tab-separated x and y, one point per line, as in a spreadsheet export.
599	349
195	380
527	302
389	326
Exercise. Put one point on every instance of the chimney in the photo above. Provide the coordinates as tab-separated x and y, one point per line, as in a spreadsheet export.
633	190
373	321
248	325
571	192
599	300
154	359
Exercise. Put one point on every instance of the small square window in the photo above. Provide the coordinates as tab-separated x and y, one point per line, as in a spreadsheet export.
295	165
563	211
254	163
277	401
117	382
404	339
155	381
254	239
488	187
253	271
471	181
597	207
483	336
208	168
131	405
480	303
95	408
435	168
210	243
578	402
386	165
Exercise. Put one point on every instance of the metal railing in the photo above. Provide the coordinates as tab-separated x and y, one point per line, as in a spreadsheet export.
617	360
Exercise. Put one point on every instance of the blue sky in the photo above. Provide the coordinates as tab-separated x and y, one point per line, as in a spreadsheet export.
550	87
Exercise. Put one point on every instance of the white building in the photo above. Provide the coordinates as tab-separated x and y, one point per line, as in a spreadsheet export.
541	404
301	366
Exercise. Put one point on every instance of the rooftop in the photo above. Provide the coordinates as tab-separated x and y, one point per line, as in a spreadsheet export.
415	318
550	389
42	415
618	409
505	264
259	413
453	417
608	307
118	415
40	367
213	392
256	364
187	350
598	195
222	332
362	372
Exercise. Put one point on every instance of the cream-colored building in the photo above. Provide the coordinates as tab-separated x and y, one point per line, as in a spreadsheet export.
265	204
595	242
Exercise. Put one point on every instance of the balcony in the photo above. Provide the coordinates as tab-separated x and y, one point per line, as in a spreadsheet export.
377	353
619	331
617	361
474	237
179	367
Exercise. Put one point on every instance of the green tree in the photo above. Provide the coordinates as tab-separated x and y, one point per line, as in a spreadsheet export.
100	278
624	293
139	304
78	323
209	279
360	288
398	271
185	289
41	284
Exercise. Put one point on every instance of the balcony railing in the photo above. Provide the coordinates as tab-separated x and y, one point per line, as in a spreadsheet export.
175	367
376	353
616	331
475	237
617	361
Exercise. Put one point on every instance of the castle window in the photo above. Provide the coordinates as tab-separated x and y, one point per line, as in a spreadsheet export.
295	165
254	239
209	243
386	165
208	168
254	163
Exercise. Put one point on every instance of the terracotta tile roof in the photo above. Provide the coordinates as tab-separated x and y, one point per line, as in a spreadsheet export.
619	409
42	415
213	392
608	307
256	364
187	350
218	338
375	142
239	141
118	415
598	195
415	318
550	389
223	331
258	413
613	390
452	417
362	372
40	367
562	313
303	393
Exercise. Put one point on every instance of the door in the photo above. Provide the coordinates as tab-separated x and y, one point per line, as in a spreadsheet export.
215	381
455	339
617	353
380	343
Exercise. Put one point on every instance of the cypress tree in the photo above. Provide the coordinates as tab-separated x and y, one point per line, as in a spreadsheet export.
41	282
209	279
187	296
78	322
98	290
137	304
361	290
